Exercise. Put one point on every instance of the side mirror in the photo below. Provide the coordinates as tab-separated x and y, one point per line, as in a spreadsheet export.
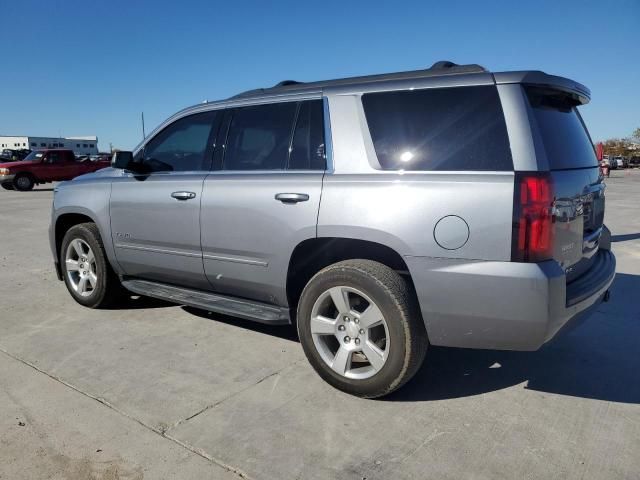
122	160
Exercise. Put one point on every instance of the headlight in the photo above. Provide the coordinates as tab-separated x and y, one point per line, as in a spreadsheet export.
4	171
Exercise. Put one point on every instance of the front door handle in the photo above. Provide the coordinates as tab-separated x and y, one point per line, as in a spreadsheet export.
183	195
292	197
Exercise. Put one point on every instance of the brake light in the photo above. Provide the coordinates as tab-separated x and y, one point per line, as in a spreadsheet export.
533	218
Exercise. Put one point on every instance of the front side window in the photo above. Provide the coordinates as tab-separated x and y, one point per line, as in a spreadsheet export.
54	157
458	128
307	148
182	146
259	137
34	157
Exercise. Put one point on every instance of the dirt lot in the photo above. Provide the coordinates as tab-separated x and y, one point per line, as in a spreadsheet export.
160	391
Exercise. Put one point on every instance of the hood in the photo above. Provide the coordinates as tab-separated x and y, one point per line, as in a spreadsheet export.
103	172
16	164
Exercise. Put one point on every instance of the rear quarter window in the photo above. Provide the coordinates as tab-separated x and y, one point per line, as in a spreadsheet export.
459	128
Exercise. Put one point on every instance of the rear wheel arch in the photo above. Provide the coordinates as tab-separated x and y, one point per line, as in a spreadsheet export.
312	255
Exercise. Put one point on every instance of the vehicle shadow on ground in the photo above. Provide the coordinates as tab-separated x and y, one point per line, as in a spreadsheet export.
137	302
598	359
626	237
286	332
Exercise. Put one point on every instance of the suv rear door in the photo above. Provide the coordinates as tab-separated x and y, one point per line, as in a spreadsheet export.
155	216
577	184
263	198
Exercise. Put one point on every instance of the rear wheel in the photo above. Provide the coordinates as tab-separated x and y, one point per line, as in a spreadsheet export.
86	270
23	182
360	328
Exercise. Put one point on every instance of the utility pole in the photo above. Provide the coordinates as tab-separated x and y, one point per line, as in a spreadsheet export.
144	135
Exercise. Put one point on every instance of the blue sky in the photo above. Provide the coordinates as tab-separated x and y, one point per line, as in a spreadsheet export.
84	68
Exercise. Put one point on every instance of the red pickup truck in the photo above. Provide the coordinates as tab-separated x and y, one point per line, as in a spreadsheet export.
43	166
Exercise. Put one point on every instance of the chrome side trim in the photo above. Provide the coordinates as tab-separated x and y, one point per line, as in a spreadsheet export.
247	261
158	250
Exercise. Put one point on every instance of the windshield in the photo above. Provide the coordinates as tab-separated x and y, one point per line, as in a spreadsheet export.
34	157
565	138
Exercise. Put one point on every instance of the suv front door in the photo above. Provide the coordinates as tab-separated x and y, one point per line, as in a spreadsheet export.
155	216
263	198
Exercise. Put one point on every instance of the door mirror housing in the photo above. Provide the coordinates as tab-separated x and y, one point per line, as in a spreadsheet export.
122	160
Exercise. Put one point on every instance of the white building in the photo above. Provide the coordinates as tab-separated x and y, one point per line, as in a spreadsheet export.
79	145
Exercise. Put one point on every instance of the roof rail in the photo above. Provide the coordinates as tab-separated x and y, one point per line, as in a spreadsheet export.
447	65
285	83
442	67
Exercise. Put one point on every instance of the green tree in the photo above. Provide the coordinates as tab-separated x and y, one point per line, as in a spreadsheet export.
636	135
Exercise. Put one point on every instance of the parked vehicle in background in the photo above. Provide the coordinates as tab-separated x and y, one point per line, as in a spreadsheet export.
11	155
383	214
105	157
634	162
619	162
43	166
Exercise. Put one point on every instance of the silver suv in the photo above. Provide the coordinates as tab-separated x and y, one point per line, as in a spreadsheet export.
382	214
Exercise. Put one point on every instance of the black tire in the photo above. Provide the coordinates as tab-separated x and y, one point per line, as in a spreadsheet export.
7	185
393	295
108	291
23	182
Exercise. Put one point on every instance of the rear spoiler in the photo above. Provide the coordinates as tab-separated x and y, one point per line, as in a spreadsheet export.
533	77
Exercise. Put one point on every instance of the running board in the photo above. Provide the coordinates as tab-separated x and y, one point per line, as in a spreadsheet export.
237	307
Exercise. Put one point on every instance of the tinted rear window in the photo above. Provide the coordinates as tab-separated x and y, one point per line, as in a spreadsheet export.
307	147
259	137
565	138
459	128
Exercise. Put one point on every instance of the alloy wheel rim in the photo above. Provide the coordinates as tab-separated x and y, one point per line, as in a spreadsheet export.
23	182
350	332
80	264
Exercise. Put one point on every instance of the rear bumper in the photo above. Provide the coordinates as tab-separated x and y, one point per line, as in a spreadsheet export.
503	305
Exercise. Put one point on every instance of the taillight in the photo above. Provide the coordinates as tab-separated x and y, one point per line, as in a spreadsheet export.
532	218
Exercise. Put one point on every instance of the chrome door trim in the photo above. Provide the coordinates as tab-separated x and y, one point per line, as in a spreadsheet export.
157	250
244	260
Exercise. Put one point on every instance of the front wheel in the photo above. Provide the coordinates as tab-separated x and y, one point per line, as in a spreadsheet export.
23	182
85	268
360	328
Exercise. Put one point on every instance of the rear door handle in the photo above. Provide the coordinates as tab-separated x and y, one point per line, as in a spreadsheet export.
292	197
183	195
